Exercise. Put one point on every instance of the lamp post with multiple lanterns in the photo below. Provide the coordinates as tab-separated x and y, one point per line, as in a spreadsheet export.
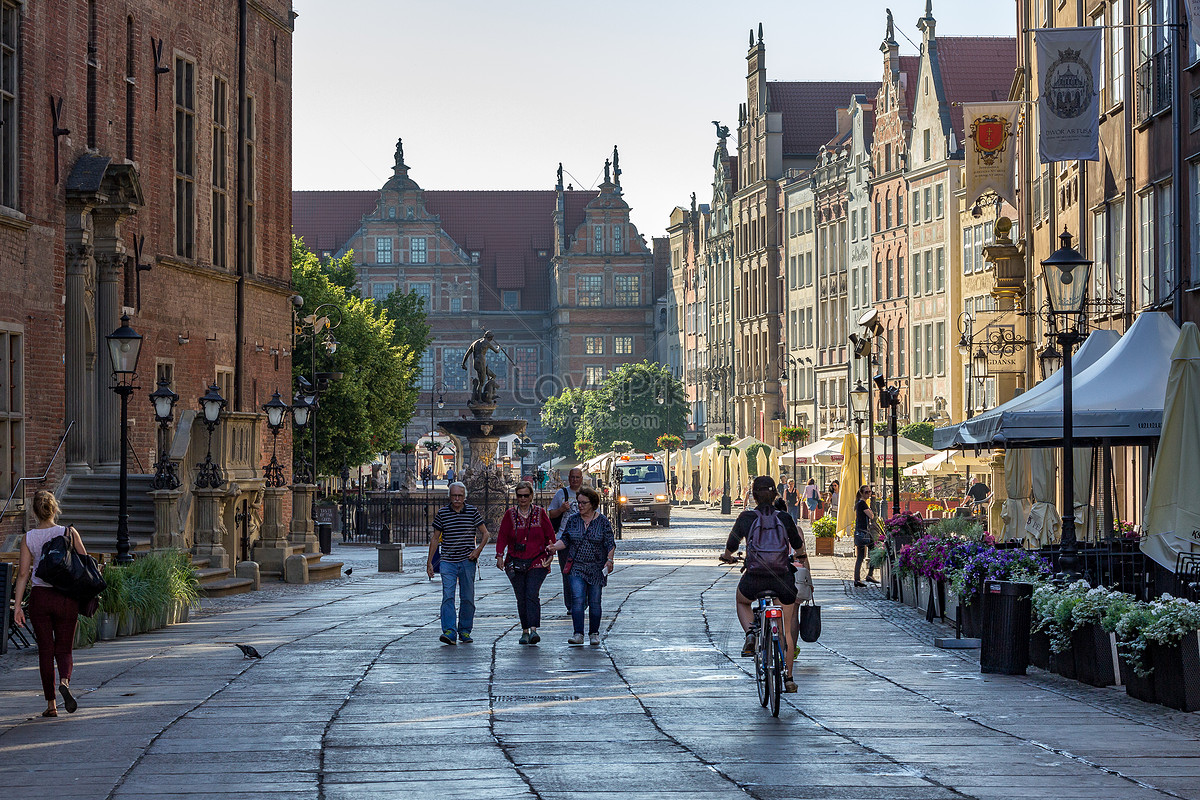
164	400
124	346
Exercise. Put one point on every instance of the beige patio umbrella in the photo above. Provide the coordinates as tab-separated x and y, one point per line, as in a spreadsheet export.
683	472
848	485
1044	525
1083	493
1172	513
1017	485
704	476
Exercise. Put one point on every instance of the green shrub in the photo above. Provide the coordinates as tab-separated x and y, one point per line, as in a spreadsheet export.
968	530
825	528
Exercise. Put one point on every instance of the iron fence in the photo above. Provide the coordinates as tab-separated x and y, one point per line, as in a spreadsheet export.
400	518
1116	565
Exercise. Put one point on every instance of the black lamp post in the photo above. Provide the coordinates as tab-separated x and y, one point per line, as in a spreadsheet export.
438	388
276	411
301	413
1065	273
979	366
860	404
889	400
124	347
209	474
163	400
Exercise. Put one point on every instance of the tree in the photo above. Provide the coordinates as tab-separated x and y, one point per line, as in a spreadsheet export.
561	416
626	406
921	432
756	455
363	412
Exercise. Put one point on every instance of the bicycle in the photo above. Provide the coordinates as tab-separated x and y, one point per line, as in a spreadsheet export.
769	662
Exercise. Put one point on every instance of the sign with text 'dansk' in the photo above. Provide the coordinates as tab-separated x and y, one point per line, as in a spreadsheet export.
1069	71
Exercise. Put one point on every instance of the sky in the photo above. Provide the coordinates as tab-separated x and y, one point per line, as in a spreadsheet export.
490	95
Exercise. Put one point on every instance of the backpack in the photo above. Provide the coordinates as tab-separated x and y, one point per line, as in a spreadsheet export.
767	547
561	518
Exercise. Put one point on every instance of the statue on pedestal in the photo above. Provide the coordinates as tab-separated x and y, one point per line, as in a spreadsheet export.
483	385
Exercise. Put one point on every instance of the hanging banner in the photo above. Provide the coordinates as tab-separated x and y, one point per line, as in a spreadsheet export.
990	131
1069	72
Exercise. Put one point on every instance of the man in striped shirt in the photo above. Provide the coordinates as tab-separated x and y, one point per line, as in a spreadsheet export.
457	528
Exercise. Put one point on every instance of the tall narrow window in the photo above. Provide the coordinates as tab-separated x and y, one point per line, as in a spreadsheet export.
10	41
220	174
1166	240
1116	49
968	248
417	250
940	328
618	244
1116	243
940	271
899	276
130	85
1099	255
185	158
598	239
1145	249
939	202
93	67
12	410
1195	226
251	186
929	349
916	340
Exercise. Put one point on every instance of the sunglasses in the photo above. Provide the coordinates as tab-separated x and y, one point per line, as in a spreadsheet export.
524	494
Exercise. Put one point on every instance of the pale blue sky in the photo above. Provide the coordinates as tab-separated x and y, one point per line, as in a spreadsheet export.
492	95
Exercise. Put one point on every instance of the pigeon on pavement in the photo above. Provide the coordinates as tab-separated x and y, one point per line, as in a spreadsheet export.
349	570
248	651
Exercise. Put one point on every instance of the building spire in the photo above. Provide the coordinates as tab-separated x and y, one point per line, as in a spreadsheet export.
927	23
760	33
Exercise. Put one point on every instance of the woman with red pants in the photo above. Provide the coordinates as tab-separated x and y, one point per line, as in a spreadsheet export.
51	612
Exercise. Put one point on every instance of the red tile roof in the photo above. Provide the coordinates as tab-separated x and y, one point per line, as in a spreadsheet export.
810	110
975	69
327	220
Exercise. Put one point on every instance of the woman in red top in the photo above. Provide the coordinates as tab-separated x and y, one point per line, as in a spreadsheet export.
528	536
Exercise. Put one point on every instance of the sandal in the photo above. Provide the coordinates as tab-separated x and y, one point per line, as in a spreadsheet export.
49	712
68	698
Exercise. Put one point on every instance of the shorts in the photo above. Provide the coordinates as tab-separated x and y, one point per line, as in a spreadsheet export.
784	586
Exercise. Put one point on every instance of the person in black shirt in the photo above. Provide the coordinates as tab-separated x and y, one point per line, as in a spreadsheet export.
753	582
979	492
864	534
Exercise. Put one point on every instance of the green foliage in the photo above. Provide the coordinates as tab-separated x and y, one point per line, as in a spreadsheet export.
921	432
881	428
756	460
621	446
364	412
964	528
551	448
561	416
585	448
724	439
793	434
150	586
825	528
669	442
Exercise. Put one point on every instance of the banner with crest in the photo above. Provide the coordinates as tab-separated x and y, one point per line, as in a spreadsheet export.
1069	72
991	130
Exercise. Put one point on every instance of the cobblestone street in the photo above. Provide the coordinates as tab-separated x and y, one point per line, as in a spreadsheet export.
355	698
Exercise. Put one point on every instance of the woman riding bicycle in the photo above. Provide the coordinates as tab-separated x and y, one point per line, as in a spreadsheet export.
758	578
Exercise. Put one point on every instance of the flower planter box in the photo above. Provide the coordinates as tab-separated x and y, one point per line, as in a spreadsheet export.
1039	650
106	627
885	578
929	592
908	590
1177	673
825	546
1063	663
1095	656
1136	686
972	617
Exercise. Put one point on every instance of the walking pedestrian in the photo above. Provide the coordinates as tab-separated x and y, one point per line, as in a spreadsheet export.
51	612
831	503
864	535
527	535
451	476
565	503
812	498
457	527
590	547
791	496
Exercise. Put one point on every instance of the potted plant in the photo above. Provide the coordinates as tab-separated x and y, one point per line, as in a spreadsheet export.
622	446
1161	639
114	602
585	448
825	530
669	442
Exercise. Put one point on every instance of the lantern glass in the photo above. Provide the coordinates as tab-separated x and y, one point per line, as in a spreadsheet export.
1065	273
164	401
1051	361
124	347
300	412
979	363
212	403
860	398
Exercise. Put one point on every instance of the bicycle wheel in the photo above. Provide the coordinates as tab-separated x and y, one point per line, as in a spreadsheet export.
776	674
766	655
760	669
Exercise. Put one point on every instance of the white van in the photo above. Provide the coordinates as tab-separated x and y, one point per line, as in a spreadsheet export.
642	492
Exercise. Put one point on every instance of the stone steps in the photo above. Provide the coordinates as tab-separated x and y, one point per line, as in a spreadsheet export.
91	502
219	581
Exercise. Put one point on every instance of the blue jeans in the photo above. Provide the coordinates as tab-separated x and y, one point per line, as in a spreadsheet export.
461	573
581	592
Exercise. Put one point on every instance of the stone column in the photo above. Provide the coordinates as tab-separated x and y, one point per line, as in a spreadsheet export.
79	358
304	529
110	267
273	548
210	530
166	533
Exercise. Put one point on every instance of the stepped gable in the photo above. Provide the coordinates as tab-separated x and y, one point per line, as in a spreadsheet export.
809	110
910	66
974	69
326	220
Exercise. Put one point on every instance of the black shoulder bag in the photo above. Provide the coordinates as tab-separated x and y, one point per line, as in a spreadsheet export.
75	575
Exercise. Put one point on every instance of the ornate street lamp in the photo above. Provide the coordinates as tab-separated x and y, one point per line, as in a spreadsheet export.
163	400
1066	275
860	405
301	412
979	367
1050	360
209	474
124	347
276	411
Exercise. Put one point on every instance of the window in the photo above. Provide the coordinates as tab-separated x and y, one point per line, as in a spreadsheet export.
916	212
10	43
1099	254
899	211
1116	241
623	345
916	339
381	291
93	66
417	250
968	249
900	276
456	305
891	281
927	195
498	364
220	173
877	215
391	212
941	268
1166	240
593	345
854	225
593	376
526	368
628	290
879	273
925	134
130	86
598	239
589	290
928	349
1145	294
900	351
618	244
383	250
939	202
427	369
424	291
889	360
12	407
251	186
454	378
224	382
185	158
916	275
928	272
1116	54
940	328
511	299
1195	226
854	288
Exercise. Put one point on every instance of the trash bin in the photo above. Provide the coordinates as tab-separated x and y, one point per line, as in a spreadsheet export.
1006	612
325	537
6	587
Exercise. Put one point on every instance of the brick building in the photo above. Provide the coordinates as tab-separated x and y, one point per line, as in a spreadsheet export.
561	277
160	141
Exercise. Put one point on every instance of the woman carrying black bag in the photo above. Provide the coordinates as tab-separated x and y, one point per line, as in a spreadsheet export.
52	613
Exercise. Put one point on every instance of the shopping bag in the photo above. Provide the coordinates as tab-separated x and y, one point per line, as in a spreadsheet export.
810	622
